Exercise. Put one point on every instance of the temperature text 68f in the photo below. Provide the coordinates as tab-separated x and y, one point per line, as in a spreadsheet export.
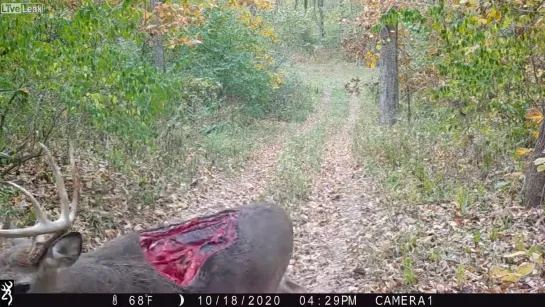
238	300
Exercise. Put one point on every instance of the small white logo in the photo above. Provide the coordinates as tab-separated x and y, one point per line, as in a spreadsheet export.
6	288
21	8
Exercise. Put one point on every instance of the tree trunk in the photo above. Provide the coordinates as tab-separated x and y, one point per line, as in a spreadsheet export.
321	22
305	4
158	53
295	5
388	81
534	183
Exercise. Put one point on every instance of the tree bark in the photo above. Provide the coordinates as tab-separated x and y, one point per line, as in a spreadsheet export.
321	22
534	183
305	4
158	52
388	80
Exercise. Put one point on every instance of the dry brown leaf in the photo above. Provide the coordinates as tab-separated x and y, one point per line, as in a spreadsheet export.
513	175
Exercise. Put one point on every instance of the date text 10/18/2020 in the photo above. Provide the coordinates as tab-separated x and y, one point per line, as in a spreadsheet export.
276	300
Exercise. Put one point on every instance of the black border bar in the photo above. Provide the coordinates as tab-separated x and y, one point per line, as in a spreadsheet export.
306	300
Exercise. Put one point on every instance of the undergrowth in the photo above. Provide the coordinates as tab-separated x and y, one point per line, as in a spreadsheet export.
438	156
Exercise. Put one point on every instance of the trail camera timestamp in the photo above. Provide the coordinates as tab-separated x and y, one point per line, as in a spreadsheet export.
327	300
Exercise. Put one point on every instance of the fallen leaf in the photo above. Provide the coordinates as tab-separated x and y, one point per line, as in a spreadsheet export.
511	277
539	161
526	269
535	257
513	175
499	272
515	254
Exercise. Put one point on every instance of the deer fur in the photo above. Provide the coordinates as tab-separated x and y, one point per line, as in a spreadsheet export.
255	262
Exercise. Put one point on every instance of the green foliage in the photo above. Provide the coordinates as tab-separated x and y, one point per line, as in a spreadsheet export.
471	70
408	271
228	54
293	101
296	30
86	71
75	69
428	161
488	60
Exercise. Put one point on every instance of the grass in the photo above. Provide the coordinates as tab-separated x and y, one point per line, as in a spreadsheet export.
332	73
233	135
228	149
436	158
300	163
297	166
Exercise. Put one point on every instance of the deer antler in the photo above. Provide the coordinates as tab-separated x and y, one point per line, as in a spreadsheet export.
43	224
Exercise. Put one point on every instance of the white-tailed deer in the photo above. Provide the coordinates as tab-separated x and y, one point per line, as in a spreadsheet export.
246	250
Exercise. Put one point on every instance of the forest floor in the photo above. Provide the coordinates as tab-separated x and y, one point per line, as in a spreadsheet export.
346	238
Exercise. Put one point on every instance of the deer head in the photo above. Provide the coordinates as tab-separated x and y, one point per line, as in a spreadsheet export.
44	248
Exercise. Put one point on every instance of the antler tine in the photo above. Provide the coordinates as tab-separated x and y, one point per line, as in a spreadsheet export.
40	214
61	189
75	193
43	225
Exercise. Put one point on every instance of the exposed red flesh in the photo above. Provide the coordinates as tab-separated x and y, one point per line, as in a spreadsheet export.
179	251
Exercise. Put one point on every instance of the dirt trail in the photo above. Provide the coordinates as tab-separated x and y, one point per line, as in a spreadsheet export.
323	260
325	226
220	192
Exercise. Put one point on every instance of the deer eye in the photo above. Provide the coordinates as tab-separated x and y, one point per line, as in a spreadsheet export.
21	288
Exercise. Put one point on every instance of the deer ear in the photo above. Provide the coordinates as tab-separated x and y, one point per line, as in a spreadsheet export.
64	252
